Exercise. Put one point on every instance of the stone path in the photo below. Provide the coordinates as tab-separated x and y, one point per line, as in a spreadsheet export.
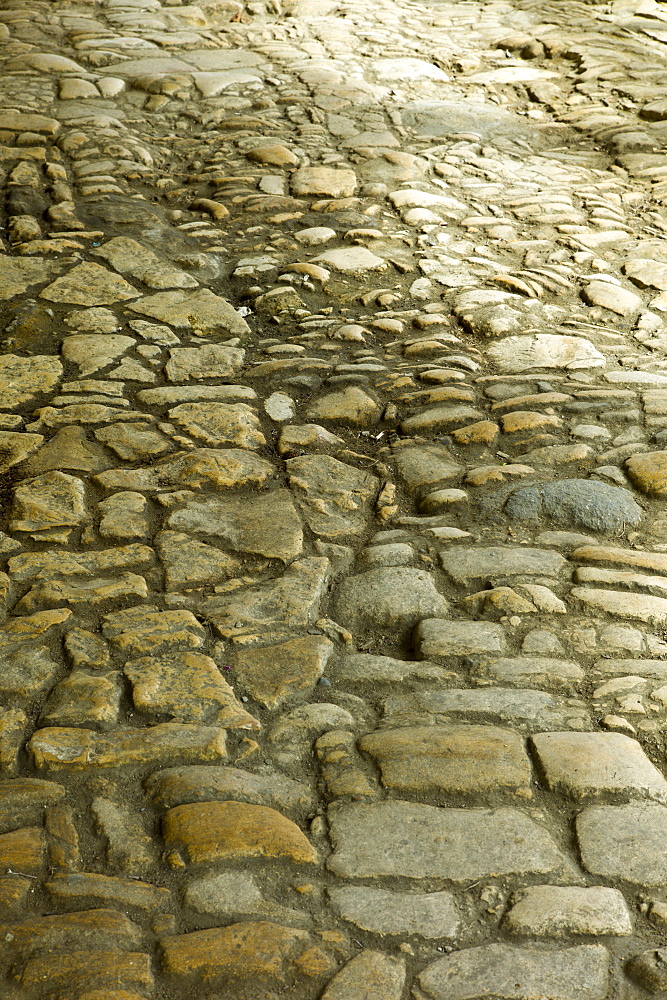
333	440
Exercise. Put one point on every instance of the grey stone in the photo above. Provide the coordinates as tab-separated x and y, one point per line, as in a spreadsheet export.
364	669
435	637
201	311
370	975
593	764
532	671
334	497
418	841
235	895
545	350
556	911
627	842
393	598
425	465
514	973
525	709
583	502
429	914
465	565
175	786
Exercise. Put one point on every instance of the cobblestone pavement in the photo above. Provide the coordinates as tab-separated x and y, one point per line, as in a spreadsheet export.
333	440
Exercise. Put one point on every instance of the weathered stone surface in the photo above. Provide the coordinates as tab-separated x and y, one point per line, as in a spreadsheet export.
217	831
188	687
96	592
138	261
89	967
212	467
175	786
62	931
17	275
545	350
49	506
370	975
532	671
134	441
23	850
295	438
435	637
274	675
351	260
334	497
189	563
323	181
31	627
649	969
623	604
26	671
464	565
129	847
89	284
81	888
23	380
501	970
201	311
246	951
646	273
234	424
23	800
393	598
648	472
384	671
656	561
430	914
143	630
267	525
557	911
291	599
425	465
235	895
613	297
83	699
170	395
92	351
450	759
350	405
80	749
582	502
16	446
626	842
406	839
592	764
68	449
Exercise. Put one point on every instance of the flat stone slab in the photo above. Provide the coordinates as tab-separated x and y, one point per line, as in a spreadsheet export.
513	973
465	565
583	502
429	914
370	975
557	911
202	310
627	842
452	758
24	379
532	671
81	749
590	764
525	709
623	604
392	598
129	257
89	284
436	637
18	274
545	350
175	786
418	841
334	497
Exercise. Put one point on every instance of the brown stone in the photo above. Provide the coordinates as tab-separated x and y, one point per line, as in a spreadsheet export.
481	432
250	950
451	759
92	928
272	675
201	467
87	968
648	472
22	800
213	831
81	749
189	563
23	630
23	850
142	630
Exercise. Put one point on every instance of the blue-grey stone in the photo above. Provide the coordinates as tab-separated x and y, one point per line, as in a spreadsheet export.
584	502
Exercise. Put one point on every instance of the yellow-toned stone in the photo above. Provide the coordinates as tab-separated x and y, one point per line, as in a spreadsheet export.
274	674
656	561
502	600
14	890
95	928
496	473
24	379
22	850
481	432
250	950
89	285
87	968
213	831
648	472
168	742
23	630
527	420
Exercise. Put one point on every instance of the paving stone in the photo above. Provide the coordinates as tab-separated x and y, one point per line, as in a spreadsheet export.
83	699
625	842
189	563
143	630
545	350
17	275
85	888
450	759
430	915
133	441
169	395
78	749
188	687
23	380
235	895
248	951
581	502
465	565
623	604
648	472
267	525
218	467
89	284
23	800
27	671
425	465
201	311
23	850
532	671
274	675
591	764
370	975
656	561
374	672
95	928
557	911
350	405
648	969
129	257
174	786
70	449
405	839
334	183
435	637
392	598
31	627
333	497
216	831
351	260
89	967
95	592
522	708
577	973
646	273
48	507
